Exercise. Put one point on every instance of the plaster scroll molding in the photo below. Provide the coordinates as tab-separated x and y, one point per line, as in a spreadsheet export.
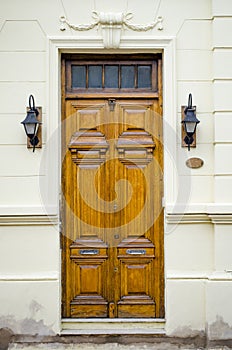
111	25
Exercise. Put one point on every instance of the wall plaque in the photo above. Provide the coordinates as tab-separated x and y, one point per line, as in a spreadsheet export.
194	163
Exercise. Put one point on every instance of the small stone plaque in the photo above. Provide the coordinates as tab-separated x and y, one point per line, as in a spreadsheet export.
194	163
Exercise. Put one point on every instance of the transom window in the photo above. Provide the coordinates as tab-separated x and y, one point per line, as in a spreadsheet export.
114	75
111	76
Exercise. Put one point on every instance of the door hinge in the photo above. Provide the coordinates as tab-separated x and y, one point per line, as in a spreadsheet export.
112	103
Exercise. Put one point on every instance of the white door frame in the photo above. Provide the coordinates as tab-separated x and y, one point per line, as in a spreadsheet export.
149	44
57	45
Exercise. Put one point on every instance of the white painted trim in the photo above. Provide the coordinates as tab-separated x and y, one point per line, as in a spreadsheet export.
113	326
23	210
151	44
30	277
145	44
216	213
124	331
187	218
28	220
132	321
219	208
199	275
187	275
192	208
221	218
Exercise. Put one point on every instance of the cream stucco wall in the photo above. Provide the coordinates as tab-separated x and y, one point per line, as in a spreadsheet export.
198	221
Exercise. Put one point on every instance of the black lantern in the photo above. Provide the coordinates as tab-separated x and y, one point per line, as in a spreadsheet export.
31	123
190	122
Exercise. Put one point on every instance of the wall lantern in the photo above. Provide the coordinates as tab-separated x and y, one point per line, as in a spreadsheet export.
32	125
189	123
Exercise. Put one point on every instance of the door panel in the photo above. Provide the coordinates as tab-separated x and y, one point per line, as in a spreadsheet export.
89	269
112	209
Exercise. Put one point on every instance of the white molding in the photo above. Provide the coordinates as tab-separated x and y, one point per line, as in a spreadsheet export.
93	44
113	326
219	208
221	218
111	25
24	210
221	276
187	218
199	213
187	275
120	331
28	220
199	275
186	208
194	213
30	277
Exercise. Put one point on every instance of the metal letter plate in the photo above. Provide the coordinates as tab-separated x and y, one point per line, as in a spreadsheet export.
89	251
136	252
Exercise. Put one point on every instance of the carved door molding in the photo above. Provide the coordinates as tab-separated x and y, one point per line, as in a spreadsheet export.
135	147
112	214
88	148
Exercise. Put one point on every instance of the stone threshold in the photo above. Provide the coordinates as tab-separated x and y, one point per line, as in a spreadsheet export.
113	327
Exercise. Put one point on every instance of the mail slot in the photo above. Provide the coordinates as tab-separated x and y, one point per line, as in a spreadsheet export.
89	251
95	252
136	251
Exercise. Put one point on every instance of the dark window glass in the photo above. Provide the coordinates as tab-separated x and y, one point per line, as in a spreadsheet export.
127	77
144	77
111	77
95	77
78	76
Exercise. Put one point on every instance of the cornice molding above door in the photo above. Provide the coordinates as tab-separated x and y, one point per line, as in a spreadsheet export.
111	24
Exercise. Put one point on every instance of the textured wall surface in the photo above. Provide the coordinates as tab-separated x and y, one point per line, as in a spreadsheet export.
198	261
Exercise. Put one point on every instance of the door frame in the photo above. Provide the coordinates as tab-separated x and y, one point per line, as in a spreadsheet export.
58	45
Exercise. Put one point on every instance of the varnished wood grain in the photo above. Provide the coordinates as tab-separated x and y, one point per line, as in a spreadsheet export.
112	215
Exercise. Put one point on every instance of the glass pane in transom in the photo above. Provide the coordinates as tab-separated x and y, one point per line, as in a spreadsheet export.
127	77
144	77
95	76
111	77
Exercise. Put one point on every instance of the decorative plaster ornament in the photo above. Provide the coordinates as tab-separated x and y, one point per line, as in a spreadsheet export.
111	24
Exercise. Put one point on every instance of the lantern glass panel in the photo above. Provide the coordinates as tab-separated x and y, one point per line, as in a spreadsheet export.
190	127
31	129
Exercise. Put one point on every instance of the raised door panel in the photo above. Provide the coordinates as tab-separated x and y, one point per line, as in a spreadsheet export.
86	260
89	268
140	214
112	185
137	297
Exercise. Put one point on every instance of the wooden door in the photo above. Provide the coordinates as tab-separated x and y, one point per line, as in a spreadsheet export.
112	216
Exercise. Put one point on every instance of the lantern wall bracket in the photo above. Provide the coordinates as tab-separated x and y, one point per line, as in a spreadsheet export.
189	124
39	133
32	125
111	25
183	132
